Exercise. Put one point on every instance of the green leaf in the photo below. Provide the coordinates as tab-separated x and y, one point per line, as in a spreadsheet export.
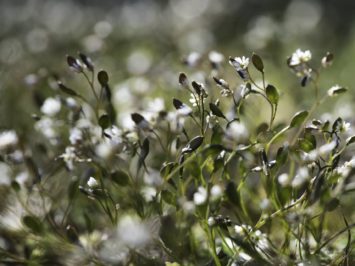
66	90
33	223
168	197
272	94
332	204
232	194
298	118
167	168
350	140
102	77
216	111
257	62
193	145
104	121
120	177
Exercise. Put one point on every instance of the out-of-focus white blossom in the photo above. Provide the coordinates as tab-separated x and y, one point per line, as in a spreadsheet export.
200	196
51	106
237	131
92	183
75	135
301	177
211	221
215	57
333	89
284	179
133	232
216	192
8	139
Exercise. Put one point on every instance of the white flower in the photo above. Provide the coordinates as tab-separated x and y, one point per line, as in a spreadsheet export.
51	106
211	221
215	57
211	120
344	127
75	135
226	92
299	57
301	177
92	183
237	131
192	100
133	232
200	196
216	192
8	139
239	63
69	157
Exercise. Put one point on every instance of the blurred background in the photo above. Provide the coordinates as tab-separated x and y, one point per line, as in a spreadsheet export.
143	43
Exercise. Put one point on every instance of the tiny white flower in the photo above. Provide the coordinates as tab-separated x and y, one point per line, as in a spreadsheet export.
215	57
92	183
8	139
237	131
75	135
216	192
301	177
192	100
133	232
51	106
239	63
211	120
299	57
200	196
211	221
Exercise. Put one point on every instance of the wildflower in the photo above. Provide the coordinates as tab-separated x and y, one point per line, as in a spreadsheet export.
51	106
75	135
211	221
226	93
69	157
299	57
301	177
215	57
8	139
92	183
216	192
200	196
132	232
237	131
239	63
211	120
193	100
